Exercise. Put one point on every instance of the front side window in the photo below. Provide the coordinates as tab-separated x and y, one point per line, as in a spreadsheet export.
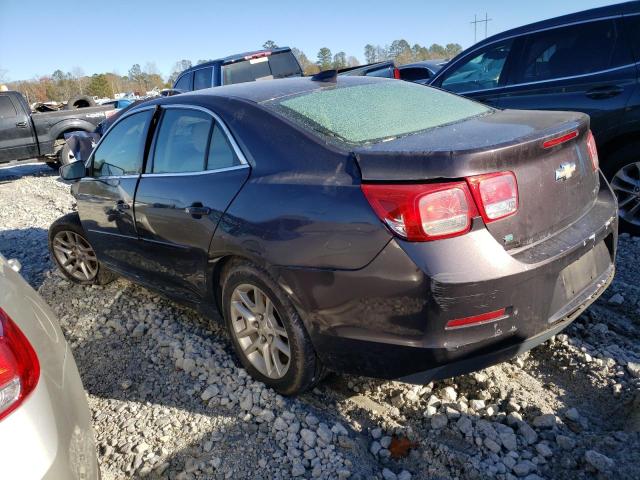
373	112
202	78
7	110
182	141
569	51
480	72
122	149
184	82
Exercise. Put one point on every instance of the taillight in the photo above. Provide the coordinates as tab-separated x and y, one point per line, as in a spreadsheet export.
496	194
561	139
19	366
593	151
396	73
423	212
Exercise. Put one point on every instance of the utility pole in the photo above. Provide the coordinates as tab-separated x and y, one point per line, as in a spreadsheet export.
475	26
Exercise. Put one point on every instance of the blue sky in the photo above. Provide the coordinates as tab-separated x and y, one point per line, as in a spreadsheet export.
39	36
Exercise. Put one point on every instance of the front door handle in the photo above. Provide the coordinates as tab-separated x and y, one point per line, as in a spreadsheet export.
21	124
197	210
607	91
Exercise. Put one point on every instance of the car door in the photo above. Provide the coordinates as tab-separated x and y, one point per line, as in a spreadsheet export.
481	74
16	135
587	67
194	172
105	196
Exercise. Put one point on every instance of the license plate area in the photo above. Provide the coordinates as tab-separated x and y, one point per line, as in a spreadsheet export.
575	279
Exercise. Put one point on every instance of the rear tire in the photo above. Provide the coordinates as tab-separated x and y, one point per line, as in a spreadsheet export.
73	254
622	170
279	330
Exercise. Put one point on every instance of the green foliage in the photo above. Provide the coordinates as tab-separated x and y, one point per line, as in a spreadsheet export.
99	86
340	60
308	67
269	45
324	58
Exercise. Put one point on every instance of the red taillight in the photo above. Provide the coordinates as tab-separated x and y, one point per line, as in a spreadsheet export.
593	151
423	212
257	55
558	140
496	194
396	73
19	366
476	319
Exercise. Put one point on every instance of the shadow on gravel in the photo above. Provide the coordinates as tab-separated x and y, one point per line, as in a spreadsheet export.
13	171
29	246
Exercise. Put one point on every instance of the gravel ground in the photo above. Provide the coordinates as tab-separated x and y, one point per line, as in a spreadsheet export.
169	401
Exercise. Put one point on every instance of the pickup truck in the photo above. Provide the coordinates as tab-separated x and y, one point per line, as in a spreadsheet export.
239	68
25	134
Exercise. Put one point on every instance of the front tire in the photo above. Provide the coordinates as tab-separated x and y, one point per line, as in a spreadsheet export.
267	332
622	170
73	254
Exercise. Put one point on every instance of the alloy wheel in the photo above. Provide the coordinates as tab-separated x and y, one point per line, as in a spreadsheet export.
75	255
626	185
259	330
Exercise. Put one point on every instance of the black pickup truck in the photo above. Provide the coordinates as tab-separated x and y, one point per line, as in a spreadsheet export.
25	135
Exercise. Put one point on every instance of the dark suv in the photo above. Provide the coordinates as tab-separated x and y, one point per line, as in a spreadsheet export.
588	62
240	68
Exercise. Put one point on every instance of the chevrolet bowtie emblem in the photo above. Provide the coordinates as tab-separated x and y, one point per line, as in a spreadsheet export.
565	171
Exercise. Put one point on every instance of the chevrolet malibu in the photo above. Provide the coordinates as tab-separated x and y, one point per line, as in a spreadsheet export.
352	224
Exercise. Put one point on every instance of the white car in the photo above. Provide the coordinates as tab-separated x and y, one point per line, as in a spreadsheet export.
45	423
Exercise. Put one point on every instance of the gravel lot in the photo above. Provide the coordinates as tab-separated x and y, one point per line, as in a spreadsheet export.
169	400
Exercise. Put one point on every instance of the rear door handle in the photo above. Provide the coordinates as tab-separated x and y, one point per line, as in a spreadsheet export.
21	124
197	210
608	91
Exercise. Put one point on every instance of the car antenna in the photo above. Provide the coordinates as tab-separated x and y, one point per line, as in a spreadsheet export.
326	76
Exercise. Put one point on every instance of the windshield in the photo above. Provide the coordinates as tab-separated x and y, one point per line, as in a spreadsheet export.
276	65
377	111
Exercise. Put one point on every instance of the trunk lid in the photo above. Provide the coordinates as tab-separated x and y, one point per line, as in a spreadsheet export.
509	140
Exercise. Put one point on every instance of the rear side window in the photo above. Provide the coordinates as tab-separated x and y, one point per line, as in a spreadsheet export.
632	27
569	51
184	82
480	72
7	110
221	153
202	78
277	65
181	145
377	111
122	149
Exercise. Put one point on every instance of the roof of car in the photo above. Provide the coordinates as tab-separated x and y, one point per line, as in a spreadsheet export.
600	12
234	58
268	90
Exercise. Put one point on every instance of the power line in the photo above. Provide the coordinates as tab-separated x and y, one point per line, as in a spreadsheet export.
475	26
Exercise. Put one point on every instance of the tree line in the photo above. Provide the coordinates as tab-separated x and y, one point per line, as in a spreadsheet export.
60	86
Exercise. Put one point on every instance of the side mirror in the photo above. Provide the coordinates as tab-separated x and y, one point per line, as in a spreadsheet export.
73	171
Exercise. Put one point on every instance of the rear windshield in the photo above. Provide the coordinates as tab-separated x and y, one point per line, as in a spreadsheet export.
276	65
374	112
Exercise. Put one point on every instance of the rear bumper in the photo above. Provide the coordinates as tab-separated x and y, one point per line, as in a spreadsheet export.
388	319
